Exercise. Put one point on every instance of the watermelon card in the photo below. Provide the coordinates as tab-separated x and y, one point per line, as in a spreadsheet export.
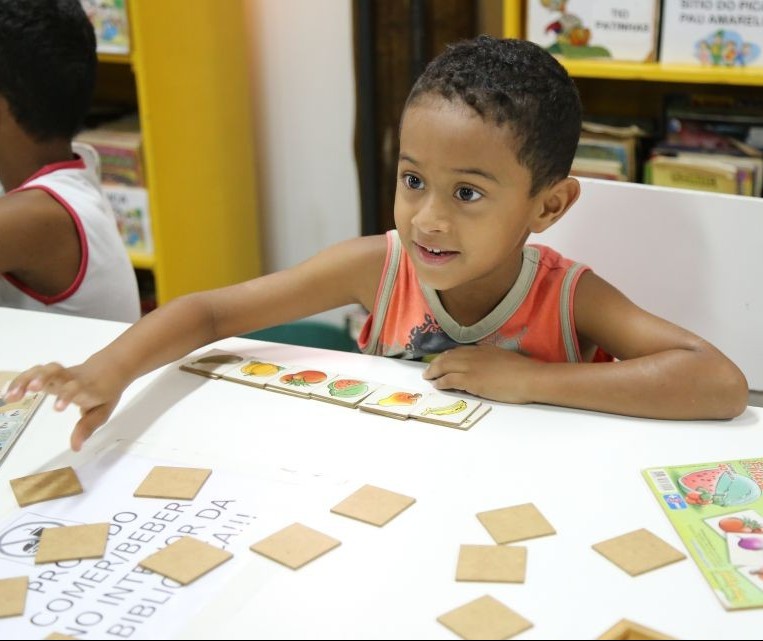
717	509
344	390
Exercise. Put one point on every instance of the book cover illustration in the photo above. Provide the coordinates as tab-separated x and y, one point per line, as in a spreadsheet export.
14	417
716	33
603	29
109	19
130	205
717	510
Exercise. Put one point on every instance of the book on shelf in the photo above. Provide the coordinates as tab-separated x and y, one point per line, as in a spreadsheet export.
119	146
130	205
111	25
717	33
602	168
699	173
718	121
600	29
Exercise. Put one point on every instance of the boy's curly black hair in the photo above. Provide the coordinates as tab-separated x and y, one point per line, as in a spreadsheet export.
515	83
48	64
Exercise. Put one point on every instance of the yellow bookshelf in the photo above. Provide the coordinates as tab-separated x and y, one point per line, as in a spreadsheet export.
188	73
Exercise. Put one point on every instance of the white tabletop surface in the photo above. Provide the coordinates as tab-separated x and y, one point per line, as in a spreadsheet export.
581	469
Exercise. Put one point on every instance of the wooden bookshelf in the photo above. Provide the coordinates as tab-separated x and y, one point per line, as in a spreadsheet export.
188	75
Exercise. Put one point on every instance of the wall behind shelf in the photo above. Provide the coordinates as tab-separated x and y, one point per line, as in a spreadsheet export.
305	118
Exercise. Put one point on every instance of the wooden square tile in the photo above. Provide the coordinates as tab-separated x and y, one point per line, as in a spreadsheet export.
70	542
484	618
495	563
185	560
515	523
13	596
295	545
164	482
638	552
373	505
46	486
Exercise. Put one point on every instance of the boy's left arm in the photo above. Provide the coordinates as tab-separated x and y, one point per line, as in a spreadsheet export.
662	371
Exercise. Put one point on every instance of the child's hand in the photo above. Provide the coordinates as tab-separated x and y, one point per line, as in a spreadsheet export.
96	394
486	371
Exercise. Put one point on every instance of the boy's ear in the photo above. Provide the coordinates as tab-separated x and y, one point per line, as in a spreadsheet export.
554	203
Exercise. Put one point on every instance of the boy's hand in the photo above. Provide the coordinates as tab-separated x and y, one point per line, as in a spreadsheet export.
97	395
486	371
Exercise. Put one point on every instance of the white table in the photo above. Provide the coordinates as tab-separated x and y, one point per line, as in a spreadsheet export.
581	469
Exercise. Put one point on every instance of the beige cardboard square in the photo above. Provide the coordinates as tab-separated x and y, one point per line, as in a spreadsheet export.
295	545
625	629
185	560
45	486
57	635
373	505
70	542
164	482
484	618
515	523
13	596
638	552
495	563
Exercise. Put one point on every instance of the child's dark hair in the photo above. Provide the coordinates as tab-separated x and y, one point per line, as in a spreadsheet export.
518	83
48	63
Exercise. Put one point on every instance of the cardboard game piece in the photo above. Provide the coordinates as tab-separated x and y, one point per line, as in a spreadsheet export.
392	401
14	417
442	409
13	596
72	542
493	563
298	381
211	363
164	482
53	636
484	618
638	552
344	390
373	505
625	629
185	560
515	523
475	416
252	371
295	545
45	486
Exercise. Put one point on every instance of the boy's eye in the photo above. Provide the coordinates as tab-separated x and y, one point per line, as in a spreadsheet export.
413	182
467	194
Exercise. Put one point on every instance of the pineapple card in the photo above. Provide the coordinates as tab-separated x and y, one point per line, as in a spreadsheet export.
344	390
392	401
210	363
252	371
445	410
298	381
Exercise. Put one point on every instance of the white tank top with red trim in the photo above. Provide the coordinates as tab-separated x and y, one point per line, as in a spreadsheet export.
105	286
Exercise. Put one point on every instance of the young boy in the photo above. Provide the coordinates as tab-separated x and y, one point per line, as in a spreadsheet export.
486	142
60	249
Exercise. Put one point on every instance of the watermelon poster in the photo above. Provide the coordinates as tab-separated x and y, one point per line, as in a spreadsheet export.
717	510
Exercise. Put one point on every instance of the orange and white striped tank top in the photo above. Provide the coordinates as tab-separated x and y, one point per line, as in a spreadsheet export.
535	317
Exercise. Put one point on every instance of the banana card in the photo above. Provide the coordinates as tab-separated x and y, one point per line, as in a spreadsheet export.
445	410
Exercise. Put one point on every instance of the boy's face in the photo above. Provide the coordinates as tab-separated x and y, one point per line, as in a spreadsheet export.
462	205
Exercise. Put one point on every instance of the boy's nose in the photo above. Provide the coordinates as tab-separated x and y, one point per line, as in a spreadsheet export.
429	218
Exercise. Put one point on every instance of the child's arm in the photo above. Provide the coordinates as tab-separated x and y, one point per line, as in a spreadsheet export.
343	274
664	371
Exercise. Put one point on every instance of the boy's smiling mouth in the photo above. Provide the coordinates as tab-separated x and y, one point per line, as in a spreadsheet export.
433	255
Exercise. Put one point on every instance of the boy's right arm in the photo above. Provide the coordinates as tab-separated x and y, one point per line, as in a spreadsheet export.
344	274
